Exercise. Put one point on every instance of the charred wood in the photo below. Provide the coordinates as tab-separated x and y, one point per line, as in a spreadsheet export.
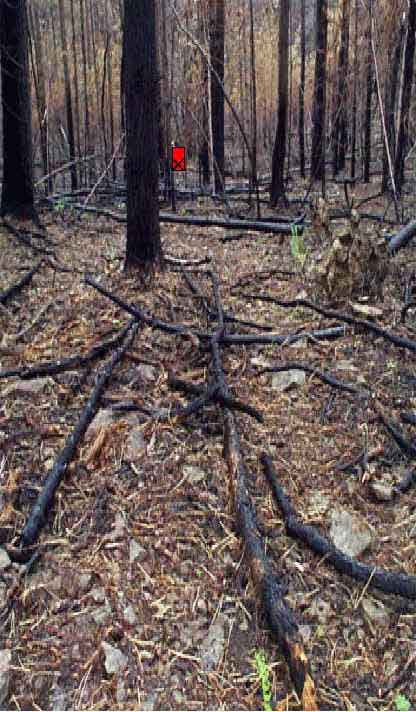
38	515
15	288
387	581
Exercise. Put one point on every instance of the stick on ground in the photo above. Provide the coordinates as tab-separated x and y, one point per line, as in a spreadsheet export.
387	581
44	502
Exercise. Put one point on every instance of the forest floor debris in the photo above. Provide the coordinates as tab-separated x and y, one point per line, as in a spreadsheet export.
92	588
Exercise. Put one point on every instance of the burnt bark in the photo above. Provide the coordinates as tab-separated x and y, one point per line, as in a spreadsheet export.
319	97
17	196
277	187
216	40
403	133
142	101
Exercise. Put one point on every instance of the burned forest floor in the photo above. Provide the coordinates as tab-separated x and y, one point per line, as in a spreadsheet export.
141	597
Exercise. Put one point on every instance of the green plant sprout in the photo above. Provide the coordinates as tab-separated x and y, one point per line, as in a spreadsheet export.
298	247
402	703
264	675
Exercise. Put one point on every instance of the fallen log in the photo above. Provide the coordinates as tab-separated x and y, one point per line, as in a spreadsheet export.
279	615
399	341
67	364
324	377
44	502
15	288
387	581
198	221
199	389
229	339
403	237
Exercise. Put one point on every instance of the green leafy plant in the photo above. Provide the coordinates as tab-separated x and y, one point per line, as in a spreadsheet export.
298	247
60	205
402	703
264	676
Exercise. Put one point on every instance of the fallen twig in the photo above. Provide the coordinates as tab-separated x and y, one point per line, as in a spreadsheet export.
15	288
279	615
325	377
38	514
400	341
50	368
387	581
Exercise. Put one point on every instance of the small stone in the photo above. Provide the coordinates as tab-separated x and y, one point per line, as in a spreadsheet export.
98	594
284	380
5	660
135	445
84	581
349	533
212	647
306	632
321	610
382	492
103	418
115	661
130	615
376	611
136	551
194	474
345	365
5	560
367	311
145	372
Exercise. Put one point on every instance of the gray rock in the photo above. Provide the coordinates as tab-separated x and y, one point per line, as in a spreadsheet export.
376	611
136	551
321	610
135	445
5	661
98	594
115	661
349	533
382	492
4	560
104	417
212	647
288	379
84	581
194	474
146	373
130	615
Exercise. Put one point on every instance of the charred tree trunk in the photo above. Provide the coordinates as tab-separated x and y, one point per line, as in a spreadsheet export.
142	101
301	128
403	133
319	98
216	38
17	197
390	97
354	94
340	128
277	188
68	97
368	101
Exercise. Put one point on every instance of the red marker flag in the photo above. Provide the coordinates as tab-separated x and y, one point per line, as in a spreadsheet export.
178	158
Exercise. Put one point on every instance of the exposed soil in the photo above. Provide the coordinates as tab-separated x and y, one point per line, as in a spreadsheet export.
186	592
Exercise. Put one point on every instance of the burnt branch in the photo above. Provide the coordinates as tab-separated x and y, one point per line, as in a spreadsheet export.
15	288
